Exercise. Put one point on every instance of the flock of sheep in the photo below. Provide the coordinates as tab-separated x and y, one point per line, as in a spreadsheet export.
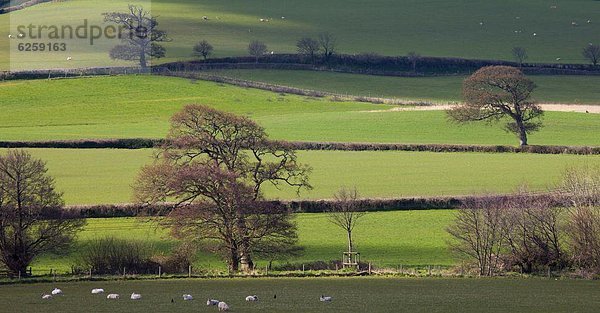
222	306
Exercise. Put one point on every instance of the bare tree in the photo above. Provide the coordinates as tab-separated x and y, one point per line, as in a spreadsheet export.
346	211
413	58
533	233
32	220
519	54
203	49
495	92
257	49
139	34
214	165
478	233
581	186
592	53
328	45
308	47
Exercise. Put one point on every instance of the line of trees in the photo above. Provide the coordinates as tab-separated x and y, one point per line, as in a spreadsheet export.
527	234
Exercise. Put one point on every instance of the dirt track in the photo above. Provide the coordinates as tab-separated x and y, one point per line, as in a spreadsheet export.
579	108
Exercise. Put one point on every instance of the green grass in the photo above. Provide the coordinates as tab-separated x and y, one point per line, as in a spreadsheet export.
140	106
390	27
302	295
106	176
416	238
551	89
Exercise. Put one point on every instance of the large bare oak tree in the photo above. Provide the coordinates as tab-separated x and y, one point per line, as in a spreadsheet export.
214	166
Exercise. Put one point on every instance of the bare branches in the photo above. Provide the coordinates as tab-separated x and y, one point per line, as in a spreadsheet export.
346	211
213	165
31	217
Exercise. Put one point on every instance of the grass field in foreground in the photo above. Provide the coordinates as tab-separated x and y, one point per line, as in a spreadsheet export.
302	295
140	106
551	89
390	27
416	238
105	175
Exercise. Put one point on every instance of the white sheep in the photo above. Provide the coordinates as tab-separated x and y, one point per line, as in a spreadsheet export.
534	34
557	59
223	306
589	21
113	296
10	37
56	291
481	23
252	298
187	297
212	302
325	298
283	17
135	296
46	297
205	17
96	291
69	58
574	24
21	35
264	20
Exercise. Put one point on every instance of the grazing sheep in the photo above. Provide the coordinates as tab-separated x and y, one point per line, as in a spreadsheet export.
46	297
557	59
56	291
212	302
69	58
223	306
96	291
188	297
252	298
574	24
481	23
10	36
589	21
325	298
135	296
534	34
283	17
21	35
112	296
205	17
264	20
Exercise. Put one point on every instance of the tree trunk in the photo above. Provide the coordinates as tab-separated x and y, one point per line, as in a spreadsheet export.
246	263
522	132
350	246
143	63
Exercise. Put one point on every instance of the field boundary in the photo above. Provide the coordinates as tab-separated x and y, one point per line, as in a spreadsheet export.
307	206
147	143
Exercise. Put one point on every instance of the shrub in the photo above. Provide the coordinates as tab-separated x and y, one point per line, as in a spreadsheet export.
179	260
111	255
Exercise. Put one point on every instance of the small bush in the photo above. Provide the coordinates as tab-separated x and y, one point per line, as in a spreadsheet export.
178	261
111	255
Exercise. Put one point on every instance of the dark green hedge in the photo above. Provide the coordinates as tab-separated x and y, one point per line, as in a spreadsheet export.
140	143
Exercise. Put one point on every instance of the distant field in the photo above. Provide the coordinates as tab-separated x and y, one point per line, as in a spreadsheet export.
140	106
302	295
390	27
550	89
105	176
417	238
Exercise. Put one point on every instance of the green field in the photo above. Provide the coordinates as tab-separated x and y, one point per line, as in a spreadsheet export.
416	238
390	27
551	89
140	106
105	175
302	295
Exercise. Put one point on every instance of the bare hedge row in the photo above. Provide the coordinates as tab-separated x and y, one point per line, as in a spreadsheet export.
305	206
141	143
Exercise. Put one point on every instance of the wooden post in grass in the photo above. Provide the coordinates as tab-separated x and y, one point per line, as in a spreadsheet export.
189	271
267	270
124	271
369	268
302	269
19	275
90	273
429	270
159	271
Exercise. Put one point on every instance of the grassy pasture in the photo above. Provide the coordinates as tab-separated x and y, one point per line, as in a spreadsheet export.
302	295
106	175
551	89
390	27
416	238
140	106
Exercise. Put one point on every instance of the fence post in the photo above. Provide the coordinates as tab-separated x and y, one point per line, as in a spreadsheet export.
302	269
159	271
267	270
429	270
19	275
124	271
189	271
90	273
369	268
